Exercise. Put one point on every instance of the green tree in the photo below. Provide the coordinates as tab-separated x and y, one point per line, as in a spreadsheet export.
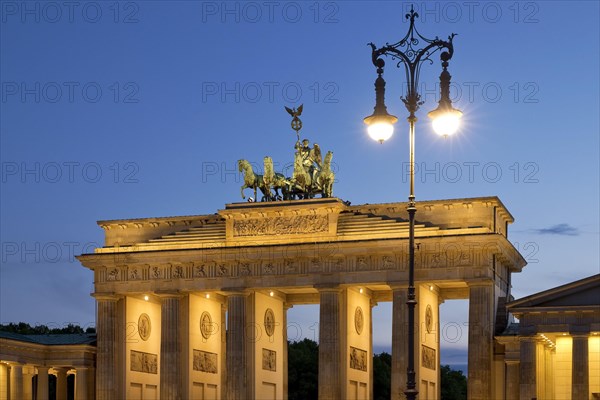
303	370
454	384
382	375
24	328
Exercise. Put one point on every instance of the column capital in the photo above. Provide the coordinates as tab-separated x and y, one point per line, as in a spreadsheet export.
169	294
236	291
328	287
398	286
480	282
15	363
106	296
529	338
579	331
580	334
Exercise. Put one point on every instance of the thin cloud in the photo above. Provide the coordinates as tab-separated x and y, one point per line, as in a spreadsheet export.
560	229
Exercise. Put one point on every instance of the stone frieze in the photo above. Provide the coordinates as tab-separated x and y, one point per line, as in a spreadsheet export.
295	225
205	361
144	362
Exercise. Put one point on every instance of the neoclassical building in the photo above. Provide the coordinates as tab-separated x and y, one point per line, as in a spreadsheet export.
27	361
195	307
553	352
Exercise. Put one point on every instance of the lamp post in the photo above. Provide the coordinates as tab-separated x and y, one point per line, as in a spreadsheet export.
380	127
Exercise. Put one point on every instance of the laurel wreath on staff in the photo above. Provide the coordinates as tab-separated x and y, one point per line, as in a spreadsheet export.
296	123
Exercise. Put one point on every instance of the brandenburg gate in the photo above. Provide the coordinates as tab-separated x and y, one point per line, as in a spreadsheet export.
195	306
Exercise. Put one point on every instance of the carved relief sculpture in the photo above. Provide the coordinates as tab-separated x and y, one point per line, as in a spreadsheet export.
144	362
358	359
361	264
388	262
245	269
269	322
144	326
428	357
222	270
269	360
178	272
205	361
206	327
113	275
301	224
359	320
428	319
290	267
199	271
268	269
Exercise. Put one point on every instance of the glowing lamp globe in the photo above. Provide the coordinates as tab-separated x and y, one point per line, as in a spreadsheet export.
445	121
380	127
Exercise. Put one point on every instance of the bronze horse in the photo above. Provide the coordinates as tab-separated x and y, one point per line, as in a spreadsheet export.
251	180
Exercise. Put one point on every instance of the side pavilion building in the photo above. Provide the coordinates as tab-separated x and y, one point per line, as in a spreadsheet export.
553	352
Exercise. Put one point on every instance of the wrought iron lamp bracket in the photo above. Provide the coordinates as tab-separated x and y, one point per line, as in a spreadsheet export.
407	54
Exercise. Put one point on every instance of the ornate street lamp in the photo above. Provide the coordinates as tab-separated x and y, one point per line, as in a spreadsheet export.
380	127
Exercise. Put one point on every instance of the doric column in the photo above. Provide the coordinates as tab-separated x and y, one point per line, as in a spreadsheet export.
3	381
61	383
549	372
481	323
512	380
527	369
236	346
286	307
108	364
399	342
171	357
81	383
91	382
16	381
372	303
330	367
223	351
580	371
42	383
28	373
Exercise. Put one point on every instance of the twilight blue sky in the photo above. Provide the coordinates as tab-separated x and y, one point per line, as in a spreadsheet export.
137	109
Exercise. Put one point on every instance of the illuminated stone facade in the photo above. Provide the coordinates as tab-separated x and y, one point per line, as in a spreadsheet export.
27	361
554	350
166	287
